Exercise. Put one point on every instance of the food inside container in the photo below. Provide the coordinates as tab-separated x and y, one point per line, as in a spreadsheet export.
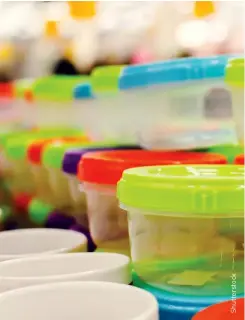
186	226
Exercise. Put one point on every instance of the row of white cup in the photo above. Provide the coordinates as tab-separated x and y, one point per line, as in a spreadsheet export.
37	283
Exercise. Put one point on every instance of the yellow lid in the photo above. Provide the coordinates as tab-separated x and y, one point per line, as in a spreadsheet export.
51	29
82	9
203	9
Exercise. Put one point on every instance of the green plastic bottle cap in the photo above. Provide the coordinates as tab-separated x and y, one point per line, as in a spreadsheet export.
5	213
38	212
235	73
16	147
105	79
230	151
189	190
56	88
54	153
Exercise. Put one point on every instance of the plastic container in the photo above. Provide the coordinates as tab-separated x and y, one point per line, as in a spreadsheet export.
230	151
108	267
24	243
178	105
72	157
53	99
99	173
112	301
40	173
229	310
186	227
239	159
235	80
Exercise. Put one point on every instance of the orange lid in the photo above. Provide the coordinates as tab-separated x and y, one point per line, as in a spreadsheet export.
82	9
239	159
203	9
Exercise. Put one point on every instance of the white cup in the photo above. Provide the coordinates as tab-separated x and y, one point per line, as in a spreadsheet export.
79	301
108	267
28	242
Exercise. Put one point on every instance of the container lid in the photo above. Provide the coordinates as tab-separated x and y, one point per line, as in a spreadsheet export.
181	70
83	91
38	212
6	90
239	159
73	156
235	72
230	151
198	189
35	149
16	147
107	167
228	310
105	79
56	88
5	213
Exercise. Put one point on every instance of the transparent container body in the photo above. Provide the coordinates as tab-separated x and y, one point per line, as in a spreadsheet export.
41	183
107	222
238	111
182	115
78	205
194	256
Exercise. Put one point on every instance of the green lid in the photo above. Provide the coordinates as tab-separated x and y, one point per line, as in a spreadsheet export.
105	79
17	146
20	87
54	153
5	213
191	190
38	212
235	73
229	151
56	88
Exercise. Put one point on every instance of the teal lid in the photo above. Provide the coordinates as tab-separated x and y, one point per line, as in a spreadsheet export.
105	79
38	212
56	88
191	190
54	153
229	151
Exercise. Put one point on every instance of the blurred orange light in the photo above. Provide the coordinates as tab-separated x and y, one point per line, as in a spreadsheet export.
82	9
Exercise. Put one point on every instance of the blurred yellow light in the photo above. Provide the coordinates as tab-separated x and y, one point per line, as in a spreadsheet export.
203	9
6	52
51	28
82	9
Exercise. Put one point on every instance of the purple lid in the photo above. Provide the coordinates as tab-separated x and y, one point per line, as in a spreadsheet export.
73	156
58	220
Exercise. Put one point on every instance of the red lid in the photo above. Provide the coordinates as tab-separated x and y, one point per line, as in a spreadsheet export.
6	90
21	202
239	159
34	151
107	167
229	310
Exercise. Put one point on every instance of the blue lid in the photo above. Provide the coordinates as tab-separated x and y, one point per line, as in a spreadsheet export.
83	91
175	307
173	71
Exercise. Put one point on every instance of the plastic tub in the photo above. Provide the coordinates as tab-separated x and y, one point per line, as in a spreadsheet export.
235	80
186	227
229	151
70	163
40	173
24	243
108	267
239	159
180	105
229	310
112	301
99	173
52	97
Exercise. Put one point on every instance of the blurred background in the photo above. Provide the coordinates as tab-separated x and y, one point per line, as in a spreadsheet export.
42	38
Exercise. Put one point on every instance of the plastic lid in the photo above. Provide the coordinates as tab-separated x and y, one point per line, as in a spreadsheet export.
83	91
35	149
82	9
228	310
235	72
51	29
59	220
239	159
73	156
56	88
105	79
107	167
180	70
230	151
38	212
6	90
193	189
202	9
5	213
21	202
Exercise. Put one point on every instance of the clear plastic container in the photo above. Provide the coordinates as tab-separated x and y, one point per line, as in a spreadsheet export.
52	97
235	80
186	227
180	104
99	173
72	157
